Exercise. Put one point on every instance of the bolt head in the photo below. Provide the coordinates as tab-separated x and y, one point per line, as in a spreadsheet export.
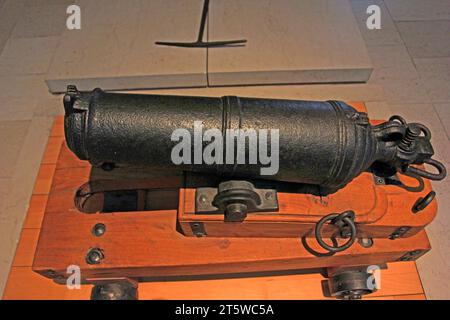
202	199
99	229
94	256
366	242
236	212
108	166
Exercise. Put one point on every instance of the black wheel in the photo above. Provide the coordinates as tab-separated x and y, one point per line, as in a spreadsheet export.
114	291
351	285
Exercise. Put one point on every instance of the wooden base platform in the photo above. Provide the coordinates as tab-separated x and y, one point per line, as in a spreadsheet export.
399	281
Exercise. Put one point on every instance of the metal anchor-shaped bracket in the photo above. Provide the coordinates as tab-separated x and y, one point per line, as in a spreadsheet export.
235	199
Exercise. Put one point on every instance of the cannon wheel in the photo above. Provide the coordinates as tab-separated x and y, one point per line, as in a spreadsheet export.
114	291
351	284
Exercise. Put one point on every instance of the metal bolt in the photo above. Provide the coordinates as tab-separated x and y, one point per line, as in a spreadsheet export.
235	212
108	166
94	256
405	258
269	195
394	236
202	199
411	135
355	116
345	233
51	273
366	242
99	229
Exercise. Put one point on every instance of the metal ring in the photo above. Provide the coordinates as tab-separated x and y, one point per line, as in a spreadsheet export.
422	203
398	118
425	130
418	188
442	172
346	217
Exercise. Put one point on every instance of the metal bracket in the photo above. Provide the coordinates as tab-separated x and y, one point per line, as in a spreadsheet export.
381	180
412	255
235	199
198	229
399	233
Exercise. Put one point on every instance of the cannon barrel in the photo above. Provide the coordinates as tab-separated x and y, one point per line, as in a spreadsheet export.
325	144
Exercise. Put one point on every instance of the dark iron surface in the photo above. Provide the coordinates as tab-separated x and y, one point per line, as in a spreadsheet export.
347	229
350	284
235	199
322	144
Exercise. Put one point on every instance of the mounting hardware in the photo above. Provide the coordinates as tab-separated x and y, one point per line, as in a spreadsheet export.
198	229
50	273
235	212
99	229
94	256
399	233
235	199
422	203
350	285
365	242
347	229
379	180
442	171
108	166
384	175
412	255
114	291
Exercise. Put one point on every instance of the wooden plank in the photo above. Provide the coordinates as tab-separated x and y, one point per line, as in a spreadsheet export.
380	210
52	150
26	248
282	287
35	214
400	297
411	297
58	127
24	284
44	179
289	287
172	254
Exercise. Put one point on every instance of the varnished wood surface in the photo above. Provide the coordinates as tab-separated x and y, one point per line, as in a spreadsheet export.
147	244
380	210
399	281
